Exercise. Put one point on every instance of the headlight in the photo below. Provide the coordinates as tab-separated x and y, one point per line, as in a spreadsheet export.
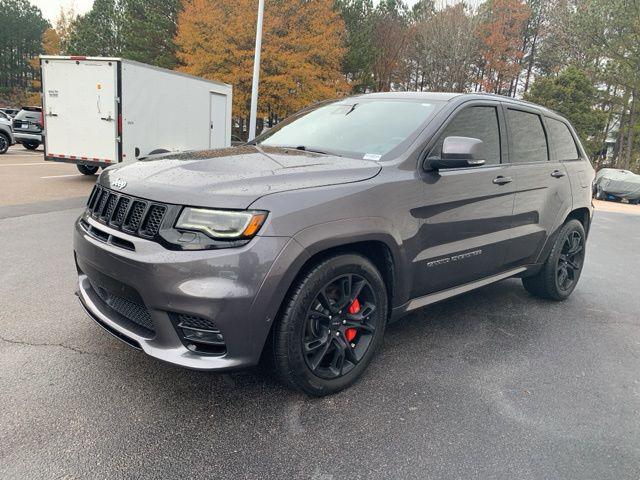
224	224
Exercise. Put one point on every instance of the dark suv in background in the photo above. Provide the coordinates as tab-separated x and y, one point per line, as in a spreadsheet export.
300	247
28	127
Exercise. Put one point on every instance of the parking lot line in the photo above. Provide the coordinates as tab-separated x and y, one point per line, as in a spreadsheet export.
25	164
60	176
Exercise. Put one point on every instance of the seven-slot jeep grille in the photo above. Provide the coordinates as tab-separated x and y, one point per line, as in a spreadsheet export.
129	214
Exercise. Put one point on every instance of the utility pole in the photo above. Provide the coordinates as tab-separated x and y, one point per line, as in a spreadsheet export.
256	73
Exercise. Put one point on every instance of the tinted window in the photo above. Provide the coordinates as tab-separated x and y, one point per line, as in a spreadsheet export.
28	115
562	140
527	140
354	127
474	122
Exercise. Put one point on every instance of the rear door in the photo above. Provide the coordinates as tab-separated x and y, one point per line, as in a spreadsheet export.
81	110
579	170
466	212
543	196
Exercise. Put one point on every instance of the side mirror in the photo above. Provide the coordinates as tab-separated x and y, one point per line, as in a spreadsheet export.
459	152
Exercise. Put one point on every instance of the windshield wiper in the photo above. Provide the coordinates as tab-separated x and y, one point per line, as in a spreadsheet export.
304	148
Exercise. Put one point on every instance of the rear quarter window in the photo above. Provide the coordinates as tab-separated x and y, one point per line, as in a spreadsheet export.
561	140
527	138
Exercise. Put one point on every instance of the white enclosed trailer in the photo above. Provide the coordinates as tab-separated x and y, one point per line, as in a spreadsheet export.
100	111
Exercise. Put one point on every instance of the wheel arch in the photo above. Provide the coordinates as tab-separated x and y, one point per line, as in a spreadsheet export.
583	215
316	244
376	251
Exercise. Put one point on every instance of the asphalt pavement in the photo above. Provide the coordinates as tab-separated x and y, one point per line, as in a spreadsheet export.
494	384
26	179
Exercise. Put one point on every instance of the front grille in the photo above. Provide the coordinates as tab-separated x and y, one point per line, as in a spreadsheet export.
135	216
153	220
121	209
129	214
135	312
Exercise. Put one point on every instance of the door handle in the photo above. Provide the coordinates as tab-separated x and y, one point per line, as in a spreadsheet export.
500	180
51	114
557	174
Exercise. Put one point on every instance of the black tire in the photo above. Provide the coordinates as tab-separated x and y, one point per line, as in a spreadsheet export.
4	143
31	145
561	271
87	169
303	316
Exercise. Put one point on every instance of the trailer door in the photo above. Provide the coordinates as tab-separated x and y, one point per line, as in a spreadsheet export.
81	109
217	120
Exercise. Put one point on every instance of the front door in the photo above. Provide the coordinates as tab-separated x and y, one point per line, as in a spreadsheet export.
466	216
217	120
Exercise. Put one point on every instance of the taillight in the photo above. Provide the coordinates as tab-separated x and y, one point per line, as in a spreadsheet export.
119	124
41	119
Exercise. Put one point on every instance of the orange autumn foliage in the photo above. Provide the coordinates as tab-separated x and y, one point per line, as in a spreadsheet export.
302	48
504	23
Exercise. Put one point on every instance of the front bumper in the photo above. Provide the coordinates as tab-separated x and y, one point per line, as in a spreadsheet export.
236	288
27	137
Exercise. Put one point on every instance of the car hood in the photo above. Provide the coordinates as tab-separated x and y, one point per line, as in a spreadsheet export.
232	177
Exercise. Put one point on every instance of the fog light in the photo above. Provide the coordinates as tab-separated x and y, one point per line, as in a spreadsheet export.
211	337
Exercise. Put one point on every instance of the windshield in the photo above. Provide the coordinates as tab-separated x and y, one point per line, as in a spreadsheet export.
359	128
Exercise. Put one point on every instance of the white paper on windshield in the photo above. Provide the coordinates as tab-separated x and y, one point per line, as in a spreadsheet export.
372	156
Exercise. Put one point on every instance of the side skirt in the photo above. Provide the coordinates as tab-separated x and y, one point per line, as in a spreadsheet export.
452	292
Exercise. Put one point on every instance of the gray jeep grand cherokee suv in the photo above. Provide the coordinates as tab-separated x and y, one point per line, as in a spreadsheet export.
302	245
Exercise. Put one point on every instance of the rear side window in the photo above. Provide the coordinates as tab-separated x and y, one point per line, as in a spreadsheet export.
527	140
561	140
474	122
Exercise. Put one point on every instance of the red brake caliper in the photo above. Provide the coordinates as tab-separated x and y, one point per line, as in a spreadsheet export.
350	333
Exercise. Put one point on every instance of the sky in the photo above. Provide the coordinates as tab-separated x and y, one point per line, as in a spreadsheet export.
51	8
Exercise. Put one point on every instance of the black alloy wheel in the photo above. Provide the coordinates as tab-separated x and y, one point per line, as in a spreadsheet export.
570	261
330	325
339	327
561	270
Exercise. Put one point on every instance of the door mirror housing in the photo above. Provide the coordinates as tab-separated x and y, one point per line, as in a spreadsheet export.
459	152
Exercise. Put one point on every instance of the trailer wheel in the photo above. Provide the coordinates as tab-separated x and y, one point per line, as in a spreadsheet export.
87	169
30	145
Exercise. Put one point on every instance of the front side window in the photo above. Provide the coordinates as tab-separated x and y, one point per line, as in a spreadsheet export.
475	122
527	140
359	128
562	140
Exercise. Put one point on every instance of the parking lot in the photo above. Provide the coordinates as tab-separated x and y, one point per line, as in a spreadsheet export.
27	180
492	384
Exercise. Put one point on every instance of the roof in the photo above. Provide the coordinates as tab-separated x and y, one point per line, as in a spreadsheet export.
124	60
447	96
